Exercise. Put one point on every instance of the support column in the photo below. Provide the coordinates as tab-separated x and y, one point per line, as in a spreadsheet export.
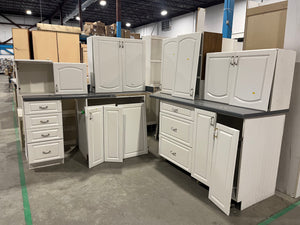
118	18
228	18
80	13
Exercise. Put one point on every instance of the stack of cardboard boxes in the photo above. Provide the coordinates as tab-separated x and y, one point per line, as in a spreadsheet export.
96	28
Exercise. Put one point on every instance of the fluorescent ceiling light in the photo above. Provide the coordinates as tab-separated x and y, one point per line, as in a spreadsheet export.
164	12
77	18
103	2
28	12
128	24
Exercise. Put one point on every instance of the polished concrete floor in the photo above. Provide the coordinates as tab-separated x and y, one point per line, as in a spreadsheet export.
143	190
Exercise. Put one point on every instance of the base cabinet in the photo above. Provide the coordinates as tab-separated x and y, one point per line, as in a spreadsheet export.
110	133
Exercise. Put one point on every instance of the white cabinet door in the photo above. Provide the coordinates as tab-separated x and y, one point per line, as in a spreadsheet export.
94	127
223	166
134	130
204	127
219	74
107	64
187	65
113	134
70	78
168	67
254	77
133	65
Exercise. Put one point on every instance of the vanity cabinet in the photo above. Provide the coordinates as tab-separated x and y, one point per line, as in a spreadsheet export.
116	64
257	79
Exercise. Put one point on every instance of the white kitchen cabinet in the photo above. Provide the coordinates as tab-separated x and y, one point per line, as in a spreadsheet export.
116	64
133	65
257	79
134	129
187	65
203	145
113	134
223	166
168	67
94	129
70	78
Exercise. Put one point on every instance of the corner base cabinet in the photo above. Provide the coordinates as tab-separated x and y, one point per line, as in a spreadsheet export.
236	156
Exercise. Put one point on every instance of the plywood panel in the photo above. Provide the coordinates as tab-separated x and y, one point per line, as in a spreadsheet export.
68	47
21	43
44	45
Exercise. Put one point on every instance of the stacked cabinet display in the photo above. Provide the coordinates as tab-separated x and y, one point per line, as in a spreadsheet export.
252	79
116	64
112	133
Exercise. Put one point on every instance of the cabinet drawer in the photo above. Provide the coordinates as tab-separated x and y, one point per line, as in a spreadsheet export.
43	121
174	109
178	129
175	153
45	151
42	107
44	134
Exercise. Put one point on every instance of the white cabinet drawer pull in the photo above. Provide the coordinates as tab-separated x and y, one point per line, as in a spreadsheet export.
175	110
174	129
173	153
45	135
47	152
44	121
44	107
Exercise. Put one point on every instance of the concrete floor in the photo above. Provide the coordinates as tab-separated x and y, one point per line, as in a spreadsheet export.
143	190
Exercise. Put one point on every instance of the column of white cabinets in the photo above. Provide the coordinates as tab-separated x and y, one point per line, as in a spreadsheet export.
116	64
258	79
111	133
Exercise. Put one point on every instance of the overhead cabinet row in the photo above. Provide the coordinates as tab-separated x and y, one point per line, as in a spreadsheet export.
116	64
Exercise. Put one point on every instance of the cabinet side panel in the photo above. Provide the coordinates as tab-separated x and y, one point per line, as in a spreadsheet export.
259	159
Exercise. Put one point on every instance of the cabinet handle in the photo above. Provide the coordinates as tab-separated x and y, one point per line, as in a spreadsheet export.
216	133
120	45
236	62
175	110
45	135
212	122
44	121
56	88
47	152
44	107
91	116
232	61
173	153
174	129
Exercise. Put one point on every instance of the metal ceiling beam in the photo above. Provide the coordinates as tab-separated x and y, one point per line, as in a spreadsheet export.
12	22
58	8
80	14
4	42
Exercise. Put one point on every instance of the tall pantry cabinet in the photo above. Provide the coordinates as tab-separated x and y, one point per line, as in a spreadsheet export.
116	64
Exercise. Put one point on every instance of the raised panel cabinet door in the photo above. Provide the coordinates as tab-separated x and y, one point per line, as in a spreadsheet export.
95	139
223	166
219	73
187	65
134	130
107	64
133	65
204	127
113	134
70	78
168	66
254	78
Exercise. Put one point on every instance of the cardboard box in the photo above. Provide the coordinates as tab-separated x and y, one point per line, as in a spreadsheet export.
135	36
68	48
58	28
110	30
21	43
95	28
125	33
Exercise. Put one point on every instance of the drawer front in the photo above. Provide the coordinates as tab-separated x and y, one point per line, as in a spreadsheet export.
45	151
38	135
42	107
178	129
43	121
181	111
174	152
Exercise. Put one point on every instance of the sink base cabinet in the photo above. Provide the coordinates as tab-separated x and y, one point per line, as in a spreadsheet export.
236	158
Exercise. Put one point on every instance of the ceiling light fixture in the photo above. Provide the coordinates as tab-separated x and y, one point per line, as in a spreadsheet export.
128	24
28	12
77	18
164	12
103	2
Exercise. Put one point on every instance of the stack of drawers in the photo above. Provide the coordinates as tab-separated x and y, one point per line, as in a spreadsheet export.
44	133
176	134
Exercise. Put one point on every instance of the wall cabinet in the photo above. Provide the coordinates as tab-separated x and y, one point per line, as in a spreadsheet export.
251	79
110	133
116	64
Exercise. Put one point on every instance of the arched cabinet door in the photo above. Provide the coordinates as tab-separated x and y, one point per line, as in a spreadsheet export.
187	65
168	67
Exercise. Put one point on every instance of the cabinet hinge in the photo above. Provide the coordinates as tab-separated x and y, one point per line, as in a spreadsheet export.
191	92
216	133
212	121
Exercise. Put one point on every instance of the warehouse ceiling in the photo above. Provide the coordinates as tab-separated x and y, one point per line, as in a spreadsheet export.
136	12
